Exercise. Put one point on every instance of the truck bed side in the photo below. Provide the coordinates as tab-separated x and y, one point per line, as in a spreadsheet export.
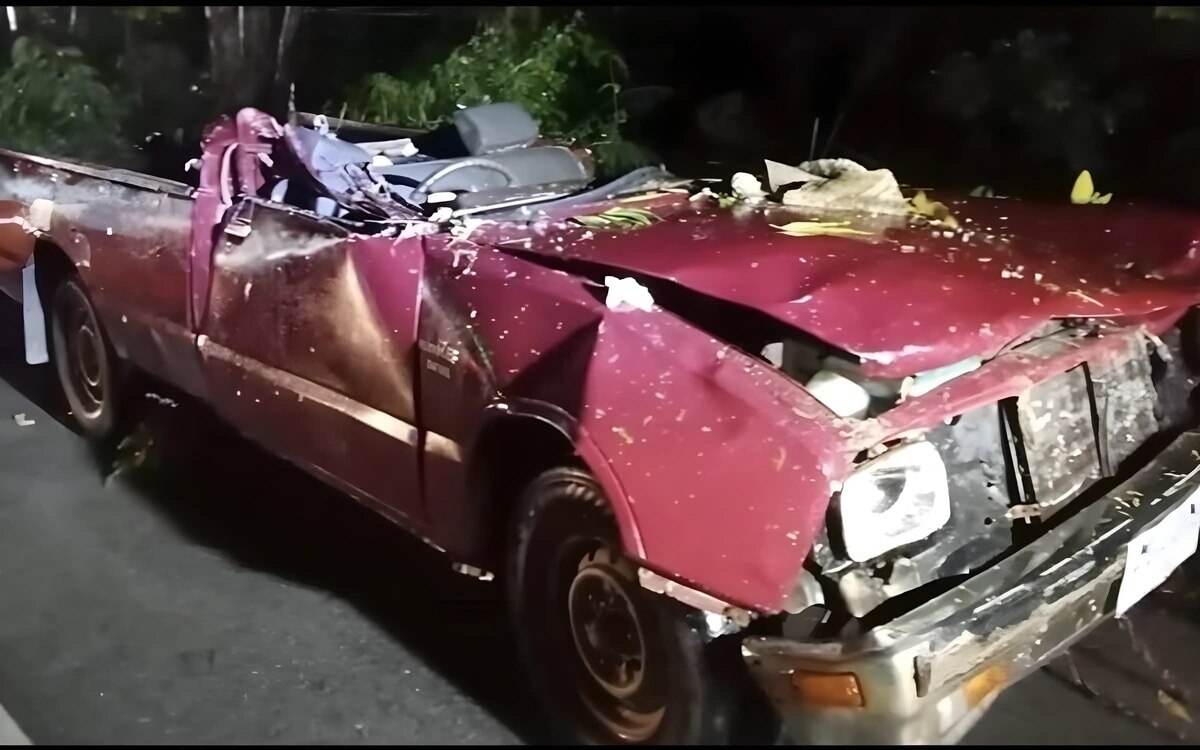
126	234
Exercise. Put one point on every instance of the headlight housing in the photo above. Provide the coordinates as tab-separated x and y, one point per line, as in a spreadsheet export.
895	499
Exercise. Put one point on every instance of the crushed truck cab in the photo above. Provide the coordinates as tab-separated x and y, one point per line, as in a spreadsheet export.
869	467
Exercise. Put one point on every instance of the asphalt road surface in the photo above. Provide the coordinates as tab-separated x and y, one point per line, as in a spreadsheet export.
224	597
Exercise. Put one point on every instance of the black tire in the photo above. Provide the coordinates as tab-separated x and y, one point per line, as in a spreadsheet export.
564	558
88	371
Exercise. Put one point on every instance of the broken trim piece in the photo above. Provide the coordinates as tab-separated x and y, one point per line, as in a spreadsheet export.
37	351
20	284
436	444
383	422
441	446
736	616
472	571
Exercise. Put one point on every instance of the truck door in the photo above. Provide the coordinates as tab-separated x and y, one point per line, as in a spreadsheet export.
307	344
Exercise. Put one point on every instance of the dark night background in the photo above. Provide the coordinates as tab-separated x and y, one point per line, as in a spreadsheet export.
1017	98
736	84
225	601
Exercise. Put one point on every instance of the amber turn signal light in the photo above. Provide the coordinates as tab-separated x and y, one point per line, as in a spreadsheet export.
830	689
984	684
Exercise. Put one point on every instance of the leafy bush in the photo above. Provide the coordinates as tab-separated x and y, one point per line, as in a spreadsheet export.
565	77
51	102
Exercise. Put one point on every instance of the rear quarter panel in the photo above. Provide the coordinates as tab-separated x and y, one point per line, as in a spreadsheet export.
127	236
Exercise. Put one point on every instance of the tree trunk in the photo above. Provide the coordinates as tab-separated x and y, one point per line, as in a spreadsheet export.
280	101
249	52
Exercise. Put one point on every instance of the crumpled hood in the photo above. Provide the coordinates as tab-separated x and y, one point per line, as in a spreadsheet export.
911	295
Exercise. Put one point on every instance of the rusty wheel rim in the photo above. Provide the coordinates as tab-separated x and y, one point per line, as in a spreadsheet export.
611	644
87	358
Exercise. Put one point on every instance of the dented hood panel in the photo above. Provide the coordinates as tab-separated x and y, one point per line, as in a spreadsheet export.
910	296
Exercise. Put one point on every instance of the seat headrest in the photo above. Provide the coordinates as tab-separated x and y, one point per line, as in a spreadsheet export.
489	128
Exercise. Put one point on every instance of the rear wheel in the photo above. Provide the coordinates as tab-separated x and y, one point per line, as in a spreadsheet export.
612	662
83	357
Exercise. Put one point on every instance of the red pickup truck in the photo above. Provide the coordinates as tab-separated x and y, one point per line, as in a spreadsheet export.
866	479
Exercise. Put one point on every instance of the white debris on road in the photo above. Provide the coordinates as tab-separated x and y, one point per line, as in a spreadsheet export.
22	420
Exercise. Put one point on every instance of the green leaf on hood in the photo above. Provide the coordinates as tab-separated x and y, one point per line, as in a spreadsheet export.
818	228
933	210
1084	192
618	218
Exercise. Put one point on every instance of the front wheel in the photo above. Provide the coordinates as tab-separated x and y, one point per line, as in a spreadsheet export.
612	662
84	360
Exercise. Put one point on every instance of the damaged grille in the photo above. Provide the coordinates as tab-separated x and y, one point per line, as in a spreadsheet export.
1081	425
1058	438
1125	400
1019	458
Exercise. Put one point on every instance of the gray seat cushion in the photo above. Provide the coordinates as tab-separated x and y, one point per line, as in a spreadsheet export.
531	166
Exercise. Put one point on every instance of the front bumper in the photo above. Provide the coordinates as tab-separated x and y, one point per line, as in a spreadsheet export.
929	675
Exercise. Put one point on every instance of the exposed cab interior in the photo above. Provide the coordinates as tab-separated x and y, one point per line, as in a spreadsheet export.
489	158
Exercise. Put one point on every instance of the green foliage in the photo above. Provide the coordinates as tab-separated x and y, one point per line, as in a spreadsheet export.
1175	13
566	78
52	102
618	218
92	83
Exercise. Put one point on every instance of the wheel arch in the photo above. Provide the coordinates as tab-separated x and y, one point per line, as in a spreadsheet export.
51	264
547	438
40	269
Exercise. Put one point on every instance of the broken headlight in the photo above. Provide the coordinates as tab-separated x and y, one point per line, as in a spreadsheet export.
897	498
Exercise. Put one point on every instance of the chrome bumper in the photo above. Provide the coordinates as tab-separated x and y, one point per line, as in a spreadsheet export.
929	675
